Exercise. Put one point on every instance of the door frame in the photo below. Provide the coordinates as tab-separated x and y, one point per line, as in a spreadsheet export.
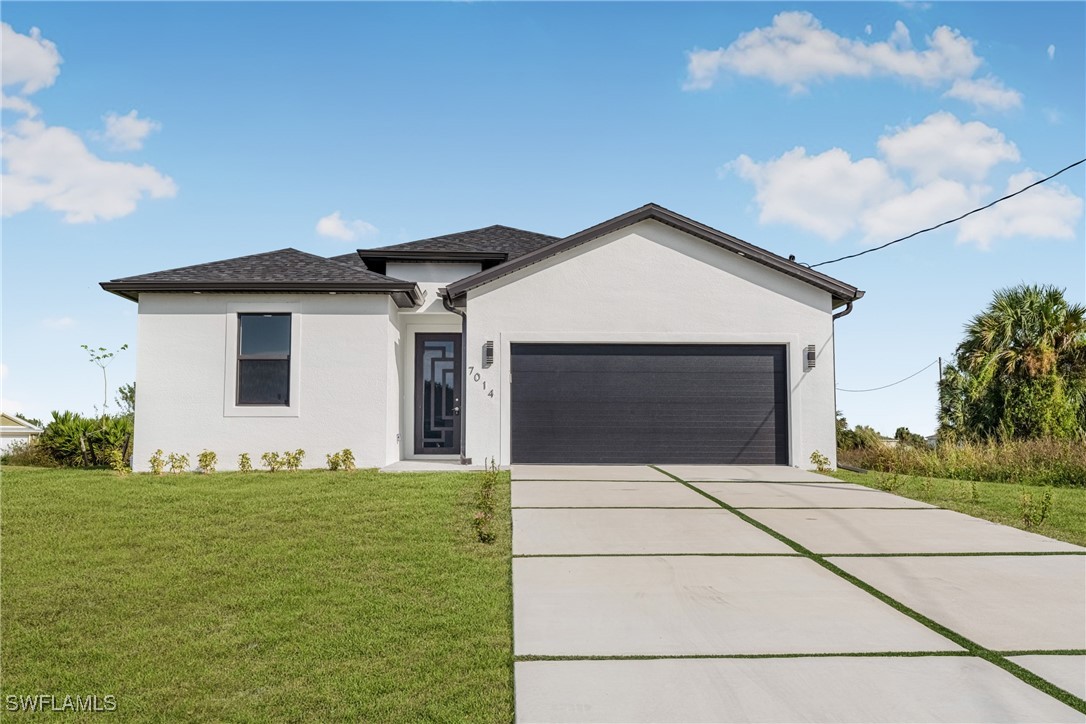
418	380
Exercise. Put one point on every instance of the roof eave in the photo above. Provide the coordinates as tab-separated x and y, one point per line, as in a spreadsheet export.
406	294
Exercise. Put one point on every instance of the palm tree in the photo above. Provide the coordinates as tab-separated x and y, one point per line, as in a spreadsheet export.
1022	367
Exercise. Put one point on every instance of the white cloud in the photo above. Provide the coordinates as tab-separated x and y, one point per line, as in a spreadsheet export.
1049	211
1053	116
18	104
919	208
335	226
986	92
926	174
796	50
50	166
941	146
58	322
824	194
127	132
1051	52
28	60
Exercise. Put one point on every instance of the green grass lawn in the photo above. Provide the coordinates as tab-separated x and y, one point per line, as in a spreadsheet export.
309	596
998	502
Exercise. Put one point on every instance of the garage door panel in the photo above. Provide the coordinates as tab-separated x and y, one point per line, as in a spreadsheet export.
649	403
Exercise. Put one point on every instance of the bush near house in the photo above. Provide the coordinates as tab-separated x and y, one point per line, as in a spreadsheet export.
73	440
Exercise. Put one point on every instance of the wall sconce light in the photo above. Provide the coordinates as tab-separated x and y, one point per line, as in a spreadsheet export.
488	353
810	357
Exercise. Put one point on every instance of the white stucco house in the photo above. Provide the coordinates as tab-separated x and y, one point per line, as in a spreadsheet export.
648	338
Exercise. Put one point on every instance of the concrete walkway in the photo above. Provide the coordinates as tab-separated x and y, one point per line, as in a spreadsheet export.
767	594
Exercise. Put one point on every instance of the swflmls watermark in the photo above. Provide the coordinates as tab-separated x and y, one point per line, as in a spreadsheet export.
68	702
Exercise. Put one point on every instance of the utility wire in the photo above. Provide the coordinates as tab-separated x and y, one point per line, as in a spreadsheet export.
873	389
950	221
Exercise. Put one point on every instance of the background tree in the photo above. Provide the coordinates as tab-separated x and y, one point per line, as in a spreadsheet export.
1020	371
102	358
906	437
126	399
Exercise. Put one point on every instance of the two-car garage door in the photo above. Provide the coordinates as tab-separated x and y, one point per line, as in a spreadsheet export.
649	403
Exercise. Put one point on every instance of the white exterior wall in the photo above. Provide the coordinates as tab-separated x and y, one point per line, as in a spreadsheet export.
343	353
651	283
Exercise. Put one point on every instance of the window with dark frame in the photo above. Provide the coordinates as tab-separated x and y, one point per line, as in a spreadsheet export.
264	359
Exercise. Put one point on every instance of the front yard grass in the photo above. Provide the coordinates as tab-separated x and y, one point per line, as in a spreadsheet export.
308	596
997	502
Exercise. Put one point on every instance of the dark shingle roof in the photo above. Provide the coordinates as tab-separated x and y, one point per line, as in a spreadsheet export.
282	270
284	265
497	238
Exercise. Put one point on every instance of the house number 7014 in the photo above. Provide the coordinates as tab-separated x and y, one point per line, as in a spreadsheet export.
477	377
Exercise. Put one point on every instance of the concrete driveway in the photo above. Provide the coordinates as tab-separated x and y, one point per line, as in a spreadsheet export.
739	594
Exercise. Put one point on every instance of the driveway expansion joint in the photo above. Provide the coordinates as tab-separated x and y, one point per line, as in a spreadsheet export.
970	646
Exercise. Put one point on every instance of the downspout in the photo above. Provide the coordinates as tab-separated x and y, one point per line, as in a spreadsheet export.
847	311
447	302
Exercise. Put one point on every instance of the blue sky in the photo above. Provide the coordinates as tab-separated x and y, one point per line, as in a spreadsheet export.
809	129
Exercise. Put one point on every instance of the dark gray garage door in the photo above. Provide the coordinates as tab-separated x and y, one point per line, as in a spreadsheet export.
649	403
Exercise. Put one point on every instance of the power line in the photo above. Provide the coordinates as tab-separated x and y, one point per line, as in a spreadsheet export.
873	389
950	221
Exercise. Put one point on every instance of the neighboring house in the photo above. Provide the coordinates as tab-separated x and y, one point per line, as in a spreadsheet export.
15	429
649	338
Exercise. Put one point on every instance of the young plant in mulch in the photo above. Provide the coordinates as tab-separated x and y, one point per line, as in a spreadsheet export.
272	461
335	460
292	461
245	464
178	462
346	459
157	463
207	461
820	461
117	462
483	519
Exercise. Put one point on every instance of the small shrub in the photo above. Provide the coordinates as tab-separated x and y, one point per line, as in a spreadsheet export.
346	459
178	463
335	460
890	483
272	461
974	492
482	520
245	464
27	452
157	463
293	460
207	460
118	463
1035	507
820	461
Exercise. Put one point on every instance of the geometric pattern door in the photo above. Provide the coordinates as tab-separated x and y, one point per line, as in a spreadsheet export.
437	394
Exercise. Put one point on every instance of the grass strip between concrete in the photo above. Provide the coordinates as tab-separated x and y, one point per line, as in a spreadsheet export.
969	645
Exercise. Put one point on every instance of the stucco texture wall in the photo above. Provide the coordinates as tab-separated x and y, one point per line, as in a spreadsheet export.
343	353
651	283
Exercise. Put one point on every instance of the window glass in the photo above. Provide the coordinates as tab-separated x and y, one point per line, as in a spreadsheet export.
264	334
264	382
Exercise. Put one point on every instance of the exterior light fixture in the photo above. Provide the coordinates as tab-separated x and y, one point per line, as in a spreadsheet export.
810	357
488	353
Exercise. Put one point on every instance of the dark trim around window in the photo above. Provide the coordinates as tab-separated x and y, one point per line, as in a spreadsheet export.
272	366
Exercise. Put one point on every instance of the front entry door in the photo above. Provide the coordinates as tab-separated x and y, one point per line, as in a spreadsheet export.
437	394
